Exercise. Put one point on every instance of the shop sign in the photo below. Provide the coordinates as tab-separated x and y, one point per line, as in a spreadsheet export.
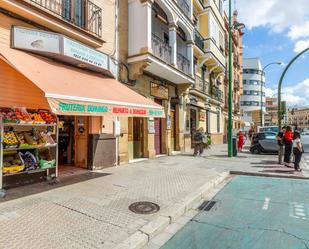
151	126
158	91
202	116
168	122
62	48
84	53
71	108
34	40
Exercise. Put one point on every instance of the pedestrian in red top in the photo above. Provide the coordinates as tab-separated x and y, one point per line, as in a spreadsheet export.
240	141
288	143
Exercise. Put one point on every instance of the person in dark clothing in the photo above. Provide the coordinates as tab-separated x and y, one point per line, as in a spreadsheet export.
297	150
288	143
199	138
280	141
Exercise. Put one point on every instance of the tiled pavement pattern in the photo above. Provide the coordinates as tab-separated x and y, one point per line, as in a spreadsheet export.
94	213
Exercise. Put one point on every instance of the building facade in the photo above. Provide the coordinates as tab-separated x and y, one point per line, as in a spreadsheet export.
299	118
206	95
61	56
271	116
237	78
253	88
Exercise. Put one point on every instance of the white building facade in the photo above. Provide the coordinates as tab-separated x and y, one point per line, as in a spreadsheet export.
253	88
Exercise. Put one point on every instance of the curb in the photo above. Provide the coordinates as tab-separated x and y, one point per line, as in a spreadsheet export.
140	238
244	173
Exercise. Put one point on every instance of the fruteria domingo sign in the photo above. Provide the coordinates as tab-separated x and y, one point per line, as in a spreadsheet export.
61	107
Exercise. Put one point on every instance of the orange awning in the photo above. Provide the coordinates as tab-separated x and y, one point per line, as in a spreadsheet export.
72	91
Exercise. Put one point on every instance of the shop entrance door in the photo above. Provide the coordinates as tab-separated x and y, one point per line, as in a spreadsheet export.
173	130
193	123
138	137
81	141
158	135
73	142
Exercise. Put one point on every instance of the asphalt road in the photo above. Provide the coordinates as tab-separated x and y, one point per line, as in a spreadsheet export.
251	212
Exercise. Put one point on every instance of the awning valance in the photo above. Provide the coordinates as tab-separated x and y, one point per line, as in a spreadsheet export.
73	91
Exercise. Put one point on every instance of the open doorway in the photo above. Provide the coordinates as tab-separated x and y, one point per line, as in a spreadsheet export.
73	144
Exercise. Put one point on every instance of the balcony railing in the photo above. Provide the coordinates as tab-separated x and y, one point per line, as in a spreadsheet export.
183	4
161	49
199	84
217	93
183	63
199	40
82	13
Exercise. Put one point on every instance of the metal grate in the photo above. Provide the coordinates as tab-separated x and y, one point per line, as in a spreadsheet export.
207	205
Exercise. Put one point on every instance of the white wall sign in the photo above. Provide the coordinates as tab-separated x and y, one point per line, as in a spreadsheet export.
84	53
65	48
30	39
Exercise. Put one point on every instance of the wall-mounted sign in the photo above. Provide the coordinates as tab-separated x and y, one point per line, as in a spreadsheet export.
151	126
35	40
84	53
168	122
158	91
202	116
63	49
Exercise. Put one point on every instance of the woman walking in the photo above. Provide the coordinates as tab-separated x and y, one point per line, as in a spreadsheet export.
288	143
297	150
240	143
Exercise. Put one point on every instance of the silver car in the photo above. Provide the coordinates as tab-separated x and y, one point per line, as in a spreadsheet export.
264	142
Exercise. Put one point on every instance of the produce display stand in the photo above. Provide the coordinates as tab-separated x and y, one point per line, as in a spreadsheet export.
25	127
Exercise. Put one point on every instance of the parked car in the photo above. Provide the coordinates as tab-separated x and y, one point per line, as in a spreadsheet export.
264	142
268	128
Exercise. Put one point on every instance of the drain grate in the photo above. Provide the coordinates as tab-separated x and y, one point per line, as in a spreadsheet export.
207	205
144	207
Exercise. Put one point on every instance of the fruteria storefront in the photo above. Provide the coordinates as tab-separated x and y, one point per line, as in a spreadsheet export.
87	106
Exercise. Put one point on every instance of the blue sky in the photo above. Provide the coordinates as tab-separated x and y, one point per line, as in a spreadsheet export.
276	31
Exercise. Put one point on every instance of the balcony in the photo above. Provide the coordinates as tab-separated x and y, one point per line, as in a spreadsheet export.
85	15
184	6
199	40
217	93
183	63
161	49
199	85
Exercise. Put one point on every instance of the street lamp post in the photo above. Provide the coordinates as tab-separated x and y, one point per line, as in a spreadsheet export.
232	26
262	74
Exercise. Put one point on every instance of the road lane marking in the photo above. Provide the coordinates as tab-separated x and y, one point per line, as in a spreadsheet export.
298	210
266	203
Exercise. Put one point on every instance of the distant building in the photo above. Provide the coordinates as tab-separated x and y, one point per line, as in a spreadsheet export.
299	118
271	116
253	87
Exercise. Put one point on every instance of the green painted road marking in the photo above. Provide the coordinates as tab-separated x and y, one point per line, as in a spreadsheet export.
251	212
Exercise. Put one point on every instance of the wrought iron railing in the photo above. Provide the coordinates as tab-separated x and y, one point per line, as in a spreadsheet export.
199	84
217	93
183	4
161	49
82	13
183	63
199	40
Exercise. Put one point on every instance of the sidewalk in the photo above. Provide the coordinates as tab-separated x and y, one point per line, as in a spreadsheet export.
93	213
91	210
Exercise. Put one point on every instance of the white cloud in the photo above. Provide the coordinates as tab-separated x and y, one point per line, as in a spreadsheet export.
301	45
296	95
290	17
299	31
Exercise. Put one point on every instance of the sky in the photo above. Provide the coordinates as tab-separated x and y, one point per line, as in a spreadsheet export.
276	30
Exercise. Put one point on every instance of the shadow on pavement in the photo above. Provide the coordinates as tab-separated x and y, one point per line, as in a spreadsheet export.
268	166
23	191
265	162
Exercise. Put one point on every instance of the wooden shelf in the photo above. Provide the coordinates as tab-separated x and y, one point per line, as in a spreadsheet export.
28	124
30	147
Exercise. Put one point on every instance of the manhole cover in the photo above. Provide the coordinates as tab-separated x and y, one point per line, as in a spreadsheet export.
144	207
